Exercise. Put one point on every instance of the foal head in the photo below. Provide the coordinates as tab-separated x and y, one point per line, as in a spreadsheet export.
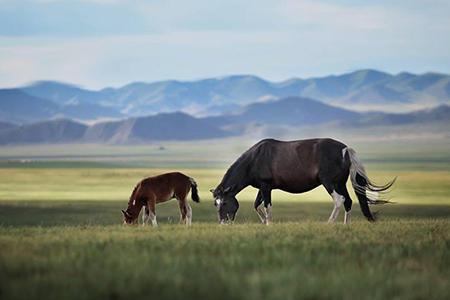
227	205
130	216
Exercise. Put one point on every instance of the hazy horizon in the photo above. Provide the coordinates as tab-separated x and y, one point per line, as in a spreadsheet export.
74	84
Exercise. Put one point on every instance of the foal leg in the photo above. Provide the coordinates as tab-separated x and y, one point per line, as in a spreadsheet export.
145	215
183	210
188	213
258	209
152	211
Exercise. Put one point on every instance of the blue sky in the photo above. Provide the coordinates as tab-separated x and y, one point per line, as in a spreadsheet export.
99	43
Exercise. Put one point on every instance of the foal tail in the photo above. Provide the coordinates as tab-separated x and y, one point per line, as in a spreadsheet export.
194	191
366	191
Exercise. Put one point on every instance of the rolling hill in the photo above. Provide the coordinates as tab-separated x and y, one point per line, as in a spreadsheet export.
361	90
294	111
169	126
55	131
272	117
16	106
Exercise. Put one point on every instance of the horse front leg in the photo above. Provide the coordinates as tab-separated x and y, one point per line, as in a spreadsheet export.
145	215
258	209
152	211
267	196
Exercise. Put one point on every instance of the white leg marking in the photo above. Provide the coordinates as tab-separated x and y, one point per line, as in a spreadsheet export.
347	217
153	218
189	214
268	214
338	200
261	214
145	217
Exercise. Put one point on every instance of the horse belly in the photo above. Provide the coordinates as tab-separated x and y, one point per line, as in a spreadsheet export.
298	185
297	177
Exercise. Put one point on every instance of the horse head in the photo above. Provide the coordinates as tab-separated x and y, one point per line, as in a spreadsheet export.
227	205
130	216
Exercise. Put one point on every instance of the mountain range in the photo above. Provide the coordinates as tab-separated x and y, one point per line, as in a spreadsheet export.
17	106
290	111
360	90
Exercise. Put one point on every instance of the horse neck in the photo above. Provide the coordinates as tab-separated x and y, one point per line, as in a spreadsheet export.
135	209
236	177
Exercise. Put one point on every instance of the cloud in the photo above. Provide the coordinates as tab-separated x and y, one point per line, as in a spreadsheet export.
276	55
101	43
338	17
62	1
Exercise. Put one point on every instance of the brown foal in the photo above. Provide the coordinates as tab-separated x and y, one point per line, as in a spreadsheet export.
157	189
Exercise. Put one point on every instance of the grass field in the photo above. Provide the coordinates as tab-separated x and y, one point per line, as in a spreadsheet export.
60	232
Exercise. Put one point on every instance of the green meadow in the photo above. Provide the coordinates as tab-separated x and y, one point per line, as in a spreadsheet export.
61	235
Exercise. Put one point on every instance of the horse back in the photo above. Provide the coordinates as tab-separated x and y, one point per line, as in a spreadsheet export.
293	166
165	186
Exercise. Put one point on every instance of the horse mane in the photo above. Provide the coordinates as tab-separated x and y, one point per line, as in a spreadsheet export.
133	194
236	173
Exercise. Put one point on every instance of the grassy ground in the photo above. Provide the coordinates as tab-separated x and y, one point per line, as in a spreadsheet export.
394	259
419	187
60	232
77	249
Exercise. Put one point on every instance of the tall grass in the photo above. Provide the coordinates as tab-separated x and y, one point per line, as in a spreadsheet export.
393	259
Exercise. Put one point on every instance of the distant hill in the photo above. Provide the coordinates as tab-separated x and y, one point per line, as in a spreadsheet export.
56	131
6	125
295	111
165	126
19	107
63	93
440	114
362	89
272	117
171	126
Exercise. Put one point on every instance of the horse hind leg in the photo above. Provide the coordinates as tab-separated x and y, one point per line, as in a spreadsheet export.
347	204
182	203
334	182
338	200
188	213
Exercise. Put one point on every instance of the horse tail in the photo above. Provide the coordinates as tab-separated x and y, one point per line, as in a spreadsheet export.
366	191
194	191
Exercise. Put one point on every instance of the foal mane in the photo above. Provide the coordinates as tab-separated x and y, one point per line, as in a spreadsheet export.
133	194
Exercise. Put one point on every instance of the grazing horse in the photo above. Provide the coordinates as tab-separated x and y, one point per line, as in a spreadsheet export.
157	189
297	167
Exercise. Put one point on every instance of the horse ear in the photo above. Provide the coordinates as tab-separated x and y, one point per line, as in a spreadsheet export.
212	191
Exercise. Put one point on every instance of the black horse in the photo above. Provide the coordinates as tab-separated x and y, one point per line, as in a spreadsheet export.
297	167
